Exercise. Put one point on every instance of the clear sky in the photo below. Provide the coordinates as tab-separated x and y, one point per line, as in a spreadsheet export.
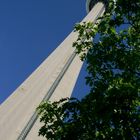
29	31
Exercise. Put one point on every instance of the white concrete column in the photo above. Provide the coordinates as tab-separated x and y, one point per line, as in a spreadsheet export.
18	109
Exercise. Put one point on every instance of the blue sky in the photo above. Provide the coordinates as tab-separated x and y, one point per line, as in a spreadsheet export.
29	31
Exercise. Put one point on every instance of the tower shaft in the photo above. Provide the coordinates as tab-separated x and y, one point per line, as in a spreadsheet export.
52	80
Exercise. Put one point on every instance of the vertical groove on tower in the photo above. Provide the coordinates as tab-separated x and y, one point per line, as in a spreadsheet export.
33	119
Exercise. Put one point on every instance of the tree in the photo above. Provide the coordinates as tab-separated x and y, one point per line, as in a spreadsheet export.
112	108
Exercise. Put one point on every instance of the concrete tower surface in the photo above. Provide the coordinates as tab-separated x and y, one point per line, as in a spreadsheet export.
52	80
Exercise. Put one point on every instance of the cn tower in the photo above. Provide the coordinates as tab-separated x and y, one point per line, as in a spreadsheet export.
52	80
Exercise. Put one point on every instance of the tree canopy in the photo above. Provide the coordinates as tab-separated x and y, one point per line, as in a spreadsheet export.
111	110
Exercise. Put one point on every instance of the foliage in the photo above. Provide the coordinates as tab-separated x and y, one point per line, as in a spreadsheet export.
112	108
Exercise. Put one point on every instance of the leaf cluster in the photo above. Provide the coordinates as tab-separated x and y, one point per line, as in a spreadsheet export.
111	48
